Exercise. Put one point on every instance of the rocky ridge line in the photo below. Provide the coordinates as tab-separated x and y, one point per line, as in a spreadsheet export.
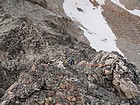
35	53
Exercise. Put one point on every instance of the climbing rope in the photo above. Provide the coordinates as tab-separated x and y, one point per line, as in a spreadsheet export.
96	65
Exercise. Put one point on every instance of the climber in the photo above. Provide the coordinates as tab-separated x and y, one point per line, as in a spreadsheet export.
71	62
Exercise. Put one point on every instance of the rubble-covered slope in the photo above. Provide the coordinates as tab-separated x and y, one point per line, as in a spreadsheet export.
37	41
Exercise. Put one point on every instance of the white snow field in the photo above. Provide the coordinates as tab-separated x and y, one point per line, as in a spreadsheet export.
92	23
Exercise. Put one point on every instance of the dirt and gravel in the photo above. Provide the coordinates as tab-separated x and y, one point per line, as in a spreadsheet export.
131	4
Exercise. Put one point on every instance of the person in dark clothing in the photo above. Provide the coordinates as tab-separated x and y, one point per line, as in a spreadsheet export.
71	62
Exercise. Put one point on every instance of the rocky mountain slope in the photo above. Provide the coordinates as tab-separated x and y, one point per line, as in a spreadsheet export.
37	40
131	4
126	27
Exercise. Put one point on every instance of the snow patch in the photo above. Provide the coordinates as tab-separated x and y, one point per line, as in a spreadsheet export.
93	23
101	2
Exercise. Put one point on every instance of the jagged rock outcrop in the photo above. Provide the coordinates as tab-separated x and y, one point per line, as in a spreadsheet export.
49	84
37	40
116	73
